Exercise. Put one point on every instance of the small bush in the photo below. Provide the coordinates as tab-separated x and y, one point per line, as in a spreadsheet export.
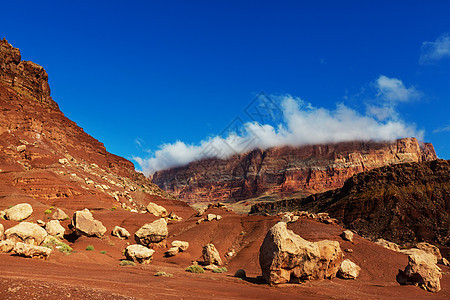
52	207
113	208
163	274
220	270
47	212
102	252
61	246
195	269
90	248
126	263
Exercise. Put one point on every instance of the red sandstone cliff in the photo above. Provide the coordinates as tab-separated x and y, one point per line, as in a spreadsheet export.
286	170
47	157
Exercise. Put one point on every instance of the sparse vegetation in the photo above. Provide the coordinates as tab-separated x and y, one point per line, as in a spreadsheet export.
163	274
61	246
102	252
126	263
113	208
220	270
90	248
195	269
47	212
242	232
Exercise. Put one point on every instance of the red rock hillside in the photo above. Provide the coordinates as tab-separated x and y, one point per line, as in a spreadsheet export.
281	172
46	157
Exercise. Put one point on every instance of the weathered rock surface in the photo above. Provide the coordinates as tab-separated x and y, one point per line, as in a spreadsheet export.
6	246
388	245
84	223
26	232
347	235
120	232
2	231
348	270
59	214
286	257
286	170
32	251
403	203
210	255
157	210
429	248
19	212
421	271
139	254
210	217
183	246
421	253
54	228
154	232
172	251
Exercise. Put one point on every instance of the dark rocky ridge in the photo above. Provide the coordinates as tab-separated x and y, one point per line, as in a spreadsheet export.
403	203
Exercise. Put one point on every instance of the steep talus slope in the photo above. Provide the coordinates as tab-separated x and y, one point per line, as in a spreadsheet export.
46	157
403	203
283	171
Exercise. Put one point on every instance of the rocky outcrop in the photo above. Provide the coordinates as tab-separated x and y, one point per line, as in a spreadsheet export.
388	245
403	203
286	257
348	270
32	251
157	210
421	271
120	232
19	212
139	254
54	228
154	232
210	255
429	248
26	232
85	224
284	171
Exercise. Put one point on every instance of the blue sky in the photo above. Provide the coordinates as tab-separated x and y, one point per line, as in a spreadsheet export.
143	76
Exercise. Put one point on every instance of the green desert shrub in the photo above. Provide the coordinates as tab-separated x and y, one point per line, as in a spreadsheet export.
62	247
220	270
102	252
163	274
47	212
90	248
195	269
126	263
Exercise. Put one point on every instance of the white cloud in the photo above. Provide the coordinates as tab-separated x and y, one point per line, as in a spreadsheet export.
302	124
433	51
393	90
443	129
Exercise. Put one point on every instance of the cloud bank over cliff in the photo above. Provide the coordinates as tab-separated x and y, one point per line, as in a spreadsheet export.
296	122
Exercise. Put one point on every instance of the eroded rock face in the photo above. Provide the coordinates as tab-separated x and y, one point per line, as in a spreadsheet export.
32	251
54	228
421	271
429	248
26	232
210	255
349	270
157	210
183	246
84	223
286	257
19	212
154	232
139	254
121	232
388	245
286	170
6	246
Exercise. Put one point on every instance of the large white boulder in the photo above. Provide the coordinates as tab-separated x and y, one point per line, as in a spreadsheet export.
157	210
210	255
348	270
139	254
32	251
154	232
26	232
19	212
85	224
54	228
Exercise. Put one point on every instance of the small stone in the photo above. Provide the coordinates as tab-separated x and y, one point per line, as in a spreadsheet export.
349	250
183	246
40	223
120	232
172	251
210	217
348	270
21	148
347	235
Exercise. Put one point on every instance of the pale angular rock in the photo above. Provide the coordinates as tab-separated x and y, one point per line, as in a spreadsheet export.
218	217
40	223
347	235
26	232
210	217
286	218
429	248
421	271
120	232
84	223
172	251
157	210
388	245
210	267
210	255
6	246
139	254
2	214
294	219
348	270
19	212
59	214
54	228
2	231
284	256
414	251
21	148
444	261
183	246
154	232
32	251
